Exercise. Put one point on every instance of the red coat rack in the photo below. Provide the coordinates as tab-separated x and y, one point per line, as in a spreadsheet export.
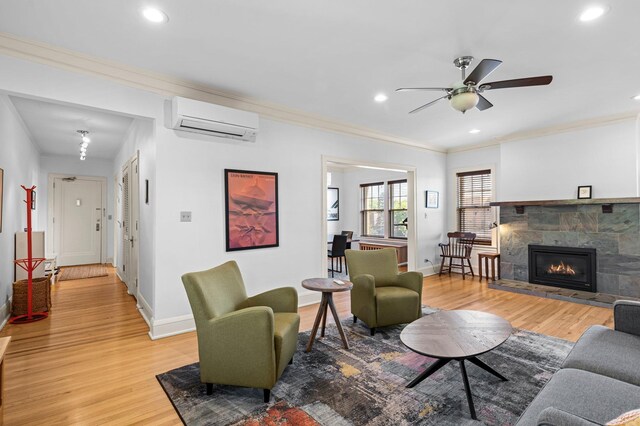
29	264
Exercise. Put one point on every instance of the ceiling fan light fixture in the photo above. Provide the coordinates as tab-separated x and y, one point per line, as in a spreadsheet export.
464	101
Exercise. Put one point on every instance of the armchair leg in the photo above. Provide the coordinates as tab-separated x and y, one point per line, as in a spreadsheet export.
462	267
291	361
373	331
355	319
441	267
267	395
470	267
209	388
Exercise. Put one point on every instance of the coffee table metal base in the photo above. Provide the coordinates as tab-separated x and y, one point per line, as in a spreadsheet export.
441	362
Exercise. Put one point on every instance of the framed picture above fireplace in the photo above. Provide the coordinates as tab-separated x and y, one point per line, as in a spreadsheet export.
584	192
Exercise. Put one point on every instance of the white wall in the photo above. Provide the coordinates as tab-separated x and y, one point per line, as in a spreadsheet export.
190	177
19	158
55	164
552	167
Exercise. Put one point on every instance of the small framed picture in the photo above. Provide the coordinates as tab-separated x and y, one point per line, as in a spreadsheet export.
333	204
584	192
432	199
33	200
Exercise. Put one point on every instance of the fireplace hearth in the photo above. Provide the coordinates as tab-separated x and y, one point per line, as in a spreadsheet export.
566	267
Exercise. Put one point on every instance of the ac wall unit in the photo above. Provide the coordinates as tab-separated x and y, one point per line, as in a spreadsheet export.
215	120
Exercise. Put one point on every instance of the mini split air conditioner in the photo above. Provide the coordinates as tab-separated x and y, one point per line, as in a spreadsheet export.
215	120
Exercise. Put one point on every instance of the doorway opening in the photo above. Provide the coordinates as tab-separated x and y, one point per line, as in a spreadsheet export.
373	205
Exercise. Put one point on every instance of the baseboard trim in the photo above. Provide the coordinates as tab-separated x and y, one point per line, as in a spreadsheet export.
171	326
309	298
5	313
428	270
145	310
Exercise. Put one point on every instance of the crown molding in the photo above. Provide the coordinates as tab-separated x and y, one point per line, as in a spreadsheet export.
551	130
168	86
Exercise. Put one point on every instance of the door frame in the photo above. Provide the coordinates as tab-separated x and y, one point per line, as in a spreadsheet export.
51	210
412	213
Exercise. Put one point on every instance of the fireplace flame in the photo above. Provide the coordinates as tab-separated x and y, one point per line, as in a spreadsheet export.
561	269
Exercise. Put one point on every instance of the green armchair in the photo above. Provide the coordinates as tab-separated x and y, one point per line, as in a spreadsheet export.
242	341
381	296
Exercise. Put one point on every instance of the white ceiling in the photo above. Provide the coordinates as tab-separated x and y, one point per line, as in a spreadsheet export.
331	57
53	127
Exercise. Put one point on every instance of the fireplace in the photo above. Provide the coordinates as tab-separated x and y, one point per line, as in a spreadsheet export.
567	267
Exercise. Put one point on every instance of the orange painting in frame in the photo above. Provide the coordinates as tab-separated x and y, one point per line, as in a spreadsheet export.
251	207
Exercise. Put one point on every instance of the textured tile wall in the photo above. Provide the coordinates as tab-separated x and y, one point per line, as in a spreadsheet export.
615	236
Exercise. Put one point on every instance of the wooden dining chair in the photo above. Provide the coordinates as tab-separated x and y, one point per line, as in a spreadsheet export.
457	249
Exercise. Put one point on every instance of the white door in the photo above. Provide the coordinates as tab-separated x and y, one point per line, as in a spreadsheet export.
130	224
77	221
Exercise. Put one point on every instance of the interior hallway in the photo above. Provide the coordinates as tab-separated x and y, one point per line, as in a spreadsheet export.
92	361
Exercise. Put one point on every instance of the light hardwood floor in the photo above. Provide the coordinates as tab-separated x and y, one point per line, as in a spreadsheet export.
92	361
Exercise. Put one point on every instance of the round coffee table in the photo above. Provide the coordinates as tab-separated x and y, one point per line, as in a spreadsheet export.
327	286
456	336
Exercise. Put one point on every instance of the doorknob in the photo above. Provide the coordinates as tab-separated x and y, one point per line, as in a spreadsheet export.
97	226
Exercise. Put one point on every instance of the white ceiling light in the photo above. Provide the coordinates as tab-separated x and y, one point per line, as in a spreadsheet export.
636	98
155	15
474	131
592	13
83	145
380	97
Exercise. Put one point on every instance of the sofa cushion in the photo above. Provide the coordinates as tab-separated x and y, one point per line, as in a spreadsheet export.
607	352
589	395
285	327
396	305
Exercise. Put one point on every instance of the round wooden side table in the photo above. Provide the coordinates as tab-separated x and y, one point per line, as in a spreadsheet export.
327	286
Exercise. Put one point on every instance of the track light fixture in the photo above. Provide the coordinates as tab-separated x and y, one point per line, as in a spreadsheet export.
84	144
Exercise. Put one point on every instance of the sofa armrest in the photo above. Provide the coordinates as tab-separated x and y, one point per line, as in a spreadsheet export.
552	416
284	299
626	316
411	280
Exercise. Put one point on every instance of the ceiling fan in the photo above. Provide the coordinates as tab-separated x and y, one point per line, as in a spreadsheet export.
467	93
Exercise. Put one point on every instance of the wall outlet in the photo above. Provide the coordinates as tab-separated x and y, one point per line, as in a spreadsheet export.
185	216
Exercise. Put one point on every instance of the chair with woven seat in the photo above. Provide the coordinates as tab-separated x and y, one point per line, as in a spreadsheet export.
457	249
381	296
242	341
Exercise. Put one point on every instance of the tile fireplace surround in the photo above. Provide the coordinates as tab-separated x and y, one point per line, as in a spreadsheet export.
575	223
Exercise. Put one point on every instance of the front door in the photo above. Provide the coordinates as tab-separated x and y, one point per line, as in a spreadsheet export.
77	221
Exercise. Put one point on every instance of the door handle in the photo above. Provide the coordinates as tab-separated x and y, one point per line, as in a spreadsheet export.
97	226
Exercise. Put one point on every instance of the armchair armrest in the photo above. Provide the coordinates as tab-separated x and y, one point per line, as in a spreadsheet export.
284	299
411	280
552	416
238	348
626	316
364	287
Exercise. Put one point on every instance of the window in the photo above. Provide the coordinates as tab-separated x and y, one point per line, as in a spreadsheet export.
475	191
398	209
372	209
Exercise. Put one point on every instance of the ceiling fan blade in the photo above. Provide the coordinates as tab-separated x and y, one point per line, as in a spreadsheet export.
427	105
483	103
518	82
406	89
484	68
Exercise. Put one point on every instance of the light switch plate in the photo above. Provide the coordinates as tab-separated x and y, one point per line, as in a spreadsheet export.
185	216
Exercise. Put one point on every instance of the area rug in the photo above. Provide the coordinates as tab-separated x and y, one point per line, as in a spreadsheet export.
366	385
82	271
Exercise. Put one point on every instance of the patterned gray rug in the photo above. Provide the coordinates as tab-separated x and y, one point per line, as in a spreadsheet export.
366	385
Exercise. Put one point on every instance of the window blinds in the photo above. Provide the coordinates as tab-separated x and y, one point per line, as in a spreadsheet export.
475	190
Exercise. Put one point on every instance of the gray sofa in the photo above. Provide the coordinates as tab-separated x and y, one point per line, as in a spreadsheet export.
599	380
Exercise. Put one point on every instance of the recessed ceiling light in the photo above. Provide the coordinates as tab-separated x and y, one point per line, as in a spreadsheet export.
474	131
155	15
592	13
380	97
636	98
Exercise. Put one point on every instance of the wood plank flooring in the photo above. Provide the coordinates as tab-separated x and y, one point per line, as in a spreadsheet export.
92	361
